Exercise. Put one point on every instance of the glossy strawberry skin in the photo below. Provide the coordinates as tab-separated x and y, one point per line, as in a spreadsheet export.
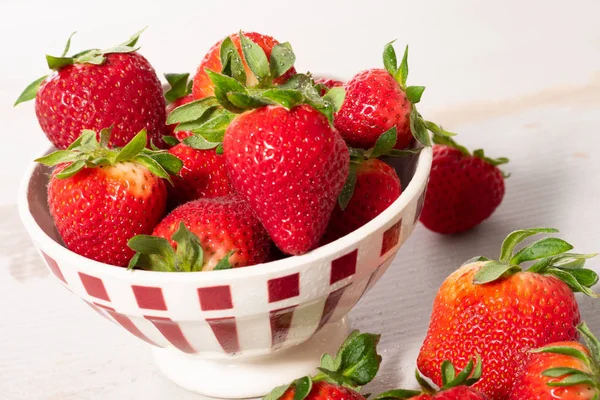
325	391
374	103
203	175
533	385
170	107
501	321
456	393
290	167
98	210
221	224
203	86
462	192
329	83
124	93
377	187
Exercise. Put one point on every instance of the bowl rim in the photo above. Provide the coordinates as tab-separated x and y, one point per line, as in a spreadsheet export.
56	250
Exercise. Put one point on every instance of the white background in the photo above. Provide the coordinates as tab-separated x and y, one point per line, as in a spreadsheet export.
520	78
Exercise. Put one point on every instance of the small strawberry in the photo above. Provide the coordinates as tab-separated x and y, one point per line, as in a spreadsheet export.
96	89
377	100
496	309
179	93
463	190
219	59
207	234
325	84
455	386
99	197
371	187
341	377
564	370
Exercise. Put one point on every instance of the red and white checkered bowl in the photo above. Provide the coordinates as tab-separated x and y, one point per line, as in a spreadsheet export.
239	313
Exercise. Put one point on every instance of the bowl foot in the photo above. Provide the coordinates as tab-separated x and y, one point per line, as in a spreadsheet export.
240	378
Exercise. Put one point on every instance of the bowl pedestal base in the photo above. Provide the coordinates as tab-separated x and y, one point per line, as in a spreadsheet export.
240	378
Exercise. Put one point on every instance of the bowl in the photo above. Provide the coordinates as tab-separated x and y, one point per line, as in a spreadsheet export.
236	333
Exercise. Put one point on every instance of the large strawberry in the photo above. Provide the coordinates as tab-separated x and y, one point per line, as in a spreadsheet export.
219	59
96	89
377	100
100	197
341	377
464	189
371	187
564	370
207	234
455	386
497	310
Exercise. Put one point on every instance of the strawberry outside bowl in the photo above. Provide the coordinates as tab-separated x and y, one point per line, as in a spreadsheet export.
236	333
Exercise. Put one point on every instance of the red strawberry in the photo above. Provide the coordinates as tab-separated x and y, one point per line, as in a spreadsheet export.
99	198
203	174
224	229
371	187
455	386
496	309
463	189
203	85
564	370
97	89
325	391
377	100
326	84
290	166
180	93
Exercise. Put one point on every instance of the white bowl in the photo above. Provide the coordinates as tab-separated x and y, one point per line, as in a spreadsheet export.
242	325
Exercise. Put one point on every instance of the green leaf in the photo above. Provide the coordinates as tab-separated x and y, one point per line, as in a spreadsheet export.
302	387
224	262
571	281
225	83
462	376
437	130
154	253
359	360
214	128
89	141
516	237
494	270
476	259
198	142
328	362
585	277
71	170
402	72
179	86
94	56
282	59
58	157
571	380
152	165
413	94
255	58
170	140
30	91
542	248
132	41
565	350
231	61
244	100
348	190
448	373
390	62
448	141
192	111
68	45
133	148
277	392
284	97
56	63
418	129
425	386
397	394
384	143
561	371
170	163
189	254
335	97
105	136
477	371
591	341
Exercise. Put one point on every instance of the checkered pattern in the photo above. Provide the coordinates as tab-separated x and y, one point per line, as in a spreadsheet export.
232	316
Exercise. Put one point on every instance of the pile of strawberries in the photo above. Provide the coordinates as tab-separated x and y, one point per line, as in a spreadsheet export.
254	160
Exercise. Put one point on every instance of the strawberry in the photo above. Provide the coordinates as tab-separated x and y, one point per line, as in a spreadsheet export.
455	386
219	55
371	187
325	84
180	93
463	190
377	100
564	370
203	175
96	89
496	309
99	197
355	364
207	234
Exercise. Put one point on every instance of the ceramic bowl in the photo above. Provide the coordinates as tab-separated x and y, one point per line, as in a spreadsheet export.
213	328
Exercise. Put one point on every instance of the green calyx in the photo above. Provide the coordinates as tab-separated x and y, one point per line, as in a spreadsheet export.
92	56
450	379
208	118
155	253
384	146
179	86
419	127
479	153
89	152
574	376
551	256
354	365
